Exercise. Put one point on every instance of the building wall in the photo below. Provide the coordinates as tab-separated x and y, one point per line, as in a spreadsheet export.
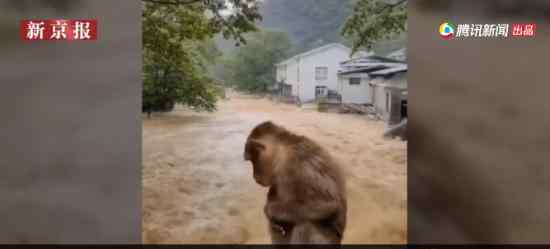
355	94
380	98
292	76
329	58
398	80
288	73
300	73
281	73
381	94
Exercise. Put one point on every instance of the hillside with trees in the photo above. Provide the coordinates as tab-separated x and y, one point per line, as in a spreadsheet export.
309	23
251	67
313	23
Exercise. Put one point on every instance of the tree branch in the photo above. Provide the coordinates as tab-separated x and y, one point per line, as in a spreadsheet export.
391	5
228	25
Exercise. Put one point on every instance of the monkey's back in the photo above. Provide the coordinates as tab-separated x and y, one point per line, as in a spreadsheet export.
319	177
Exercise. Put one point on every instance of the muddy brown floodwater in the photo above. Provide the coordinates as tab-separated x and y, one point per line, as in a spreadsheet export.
198	189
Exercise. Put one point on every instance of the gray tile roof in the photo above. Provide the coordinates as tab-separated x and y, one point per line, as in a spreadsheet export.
400	54
391	70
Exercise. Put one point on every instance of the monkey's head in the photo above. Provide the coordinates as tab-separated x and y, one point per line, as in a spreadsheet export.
262	150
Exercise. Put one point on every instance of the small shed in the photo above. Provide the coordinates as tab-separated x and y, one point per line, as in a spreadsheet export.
354	80
390	93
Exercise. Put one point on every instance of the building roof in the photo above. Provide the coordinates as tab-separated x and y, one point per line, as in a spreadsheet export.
367	64
369	59
363	69
390	70
400	54
313	51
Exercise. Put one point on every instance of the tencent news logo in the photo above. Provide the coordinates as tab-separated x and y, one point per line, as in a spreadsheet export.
58	29
448	31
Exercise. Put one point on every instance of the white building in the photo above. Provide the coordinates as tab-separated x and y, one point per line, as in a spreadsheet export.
354	81
313	73
390	91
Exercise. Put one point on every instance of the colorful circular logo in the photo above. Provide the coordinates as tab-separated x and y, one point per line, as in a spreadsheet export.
446	30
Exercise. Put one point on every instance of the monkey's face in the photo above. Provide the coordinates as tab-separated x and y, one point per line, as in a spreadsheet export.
258	153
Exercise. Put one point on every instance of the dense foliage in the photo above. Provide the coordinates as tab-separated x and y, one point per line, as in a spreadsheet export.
375	20
309	23
252	67
177	48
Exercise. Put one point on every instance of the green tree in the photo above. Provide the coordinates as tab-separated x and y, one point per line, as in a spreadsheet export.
231	18
177	48
375	20
252	67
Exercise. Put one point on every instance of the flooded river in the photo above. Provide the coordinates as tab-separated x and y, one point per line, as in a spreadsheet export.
198	189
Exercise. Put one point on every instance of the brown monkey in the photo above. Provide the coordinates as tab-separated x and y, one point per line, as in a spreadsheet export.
306	202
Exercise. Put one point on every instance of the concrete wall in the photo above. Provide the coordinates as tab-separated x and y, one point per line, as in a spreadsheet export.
292	76
380	97
281	73
288	73
329	58
300	73
355	94
381	94
399	80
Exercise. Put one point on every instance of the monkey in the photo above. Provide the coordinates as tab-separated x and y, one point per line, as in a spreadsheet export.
306	201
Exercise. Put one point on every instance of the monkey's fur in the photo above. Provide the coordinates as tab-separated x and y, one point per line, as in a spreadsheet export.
306	202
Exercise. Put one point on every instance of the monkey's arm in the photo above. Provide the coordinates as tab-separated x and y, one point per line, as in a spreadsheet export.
292	211
304	196
284	214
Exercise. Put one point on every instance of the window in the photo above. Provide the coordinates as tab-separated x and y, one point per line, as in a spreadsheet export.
321	73
355	81
320	91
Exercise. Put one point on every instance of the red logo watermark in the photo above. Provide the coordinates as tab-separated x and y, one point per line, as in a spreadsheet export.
501	30
524	29
58	29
